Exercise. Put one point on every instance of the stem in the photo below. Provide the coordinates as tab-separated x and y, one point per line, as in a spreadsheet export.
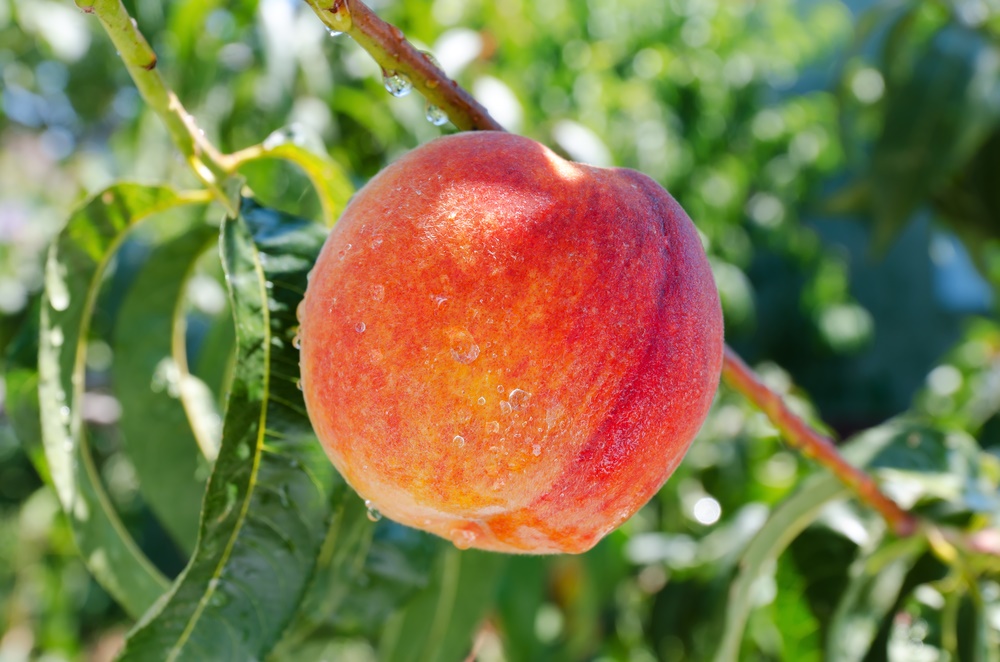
813	444
390	49
210	166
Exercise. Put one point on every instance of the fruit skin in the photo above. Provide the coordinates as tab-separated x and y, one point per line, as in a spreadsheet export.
576	303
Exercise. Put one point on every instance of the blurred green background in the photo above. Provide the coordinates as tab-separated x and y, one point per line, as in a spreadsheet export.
837	158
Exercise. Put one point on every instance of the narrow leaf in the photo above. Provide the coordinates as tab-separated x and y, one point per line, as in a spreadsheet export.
76	264
268	503
440	623
876	581
152	381
787	521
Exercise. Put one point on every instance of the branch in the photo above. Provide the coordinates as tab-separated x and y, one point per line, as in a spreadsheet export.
211	167
813	444
387	46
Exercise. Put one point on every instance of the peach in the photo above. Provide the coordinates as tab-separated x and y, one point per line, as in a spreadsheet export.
508	349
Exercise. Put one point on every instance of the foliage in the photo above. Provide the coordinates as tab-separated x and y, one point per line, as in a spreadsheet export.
153	434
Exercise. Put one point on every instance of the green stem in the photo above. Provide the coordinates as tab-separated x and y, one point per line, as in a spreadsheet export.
387	46
210	166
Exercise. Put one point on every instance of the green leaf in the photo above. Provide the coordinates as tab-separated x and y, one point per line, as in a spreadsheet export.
787	521
152	381
977	639
955	82
74	270
441	621
21	385
331	183
872	592
365	572
270	497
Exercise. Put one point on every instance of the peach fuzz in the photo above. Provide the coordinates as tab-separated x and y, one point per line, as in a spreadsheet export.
508	349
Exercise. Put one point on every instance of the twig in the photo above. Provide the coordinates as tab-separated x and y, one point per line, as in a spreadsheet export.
212	167
390	49
813	444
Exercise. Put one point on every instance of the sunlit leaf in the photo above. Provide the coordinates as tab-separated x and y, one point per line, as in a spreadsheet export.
269	500
328	179
76	264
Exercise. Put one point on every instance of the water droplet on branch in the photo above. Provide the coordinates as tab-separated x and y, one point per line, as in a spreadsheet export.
396	84
435	115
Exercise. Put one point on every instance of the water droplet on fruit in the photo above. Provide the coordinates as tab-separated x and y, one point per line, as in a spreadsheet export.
505	407
481	400
462	538
536	450
376	242
554	413
499	389
459	440
335	33
360	327
373	513
493	427
396	84
297	341
519	398
377	292
435	115
298	383
463	346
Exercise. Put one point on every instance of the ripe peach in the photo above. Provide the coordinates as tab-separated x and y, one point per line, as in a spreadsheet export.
508	349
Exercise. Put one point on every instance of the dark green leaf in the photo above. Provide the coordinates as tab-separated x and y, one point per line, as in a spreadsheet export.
153	383
439	624
269	500
955	82
75	267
